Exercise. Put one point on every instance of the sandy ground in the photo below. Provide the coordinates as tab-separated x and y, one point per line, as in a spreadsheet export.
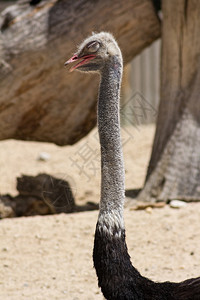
49	257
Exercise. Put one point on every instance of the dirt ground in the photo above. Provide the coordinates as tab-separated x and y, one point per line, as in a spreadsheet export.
50	257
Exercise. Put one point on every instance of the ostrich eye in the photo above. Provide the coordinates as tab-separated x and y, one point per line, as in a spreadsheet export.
93	46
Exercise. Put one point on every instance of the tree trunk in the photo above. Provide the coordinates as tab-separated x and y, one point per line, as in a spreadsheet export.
174	169
39	100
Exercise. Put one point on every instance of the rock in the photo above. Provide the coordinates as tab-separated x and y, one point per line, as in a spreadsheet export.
149	210
43	156
177	204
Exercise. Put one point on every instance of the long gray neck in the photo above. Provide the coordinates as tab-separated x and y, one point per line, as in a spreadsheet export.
112	166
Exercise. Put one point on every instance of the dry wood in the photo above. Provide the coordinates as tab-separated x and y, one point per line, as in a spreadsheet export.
174	168
41	195
144	205
38	99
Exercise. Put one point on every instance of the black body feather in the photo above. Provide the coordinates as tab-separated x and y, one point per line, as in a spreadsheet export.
119	280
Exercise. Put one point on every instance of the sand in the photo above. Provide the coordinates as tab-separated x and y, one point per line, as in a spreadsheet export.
50	257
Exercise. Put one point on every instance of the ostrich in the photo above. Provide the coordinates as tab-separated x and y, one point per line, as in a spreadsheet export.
117	277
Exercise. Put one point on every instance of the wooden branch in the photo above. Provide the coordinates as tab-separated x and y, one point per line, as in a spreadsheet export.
39	100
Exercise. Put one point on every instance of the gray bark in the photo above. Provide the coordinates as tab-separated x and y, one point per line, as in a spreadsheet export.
174	169
39	100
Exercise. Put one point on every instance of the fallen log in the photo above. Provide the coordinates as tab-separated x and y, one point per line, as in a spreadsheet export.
38	99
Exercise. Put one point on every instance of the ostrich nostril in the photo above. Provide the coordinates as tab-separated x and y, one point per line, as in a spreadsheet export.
75	57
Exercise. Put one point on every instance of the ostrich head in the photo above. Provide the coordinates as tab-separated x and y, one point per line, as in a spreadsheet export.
95	53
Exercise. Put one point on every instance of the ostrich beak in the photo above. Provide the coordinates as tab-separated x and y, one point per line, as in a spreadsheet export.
85	59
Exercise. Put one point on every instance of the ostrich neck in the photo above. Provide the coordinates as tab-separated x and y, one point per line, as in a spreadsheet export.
112	166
